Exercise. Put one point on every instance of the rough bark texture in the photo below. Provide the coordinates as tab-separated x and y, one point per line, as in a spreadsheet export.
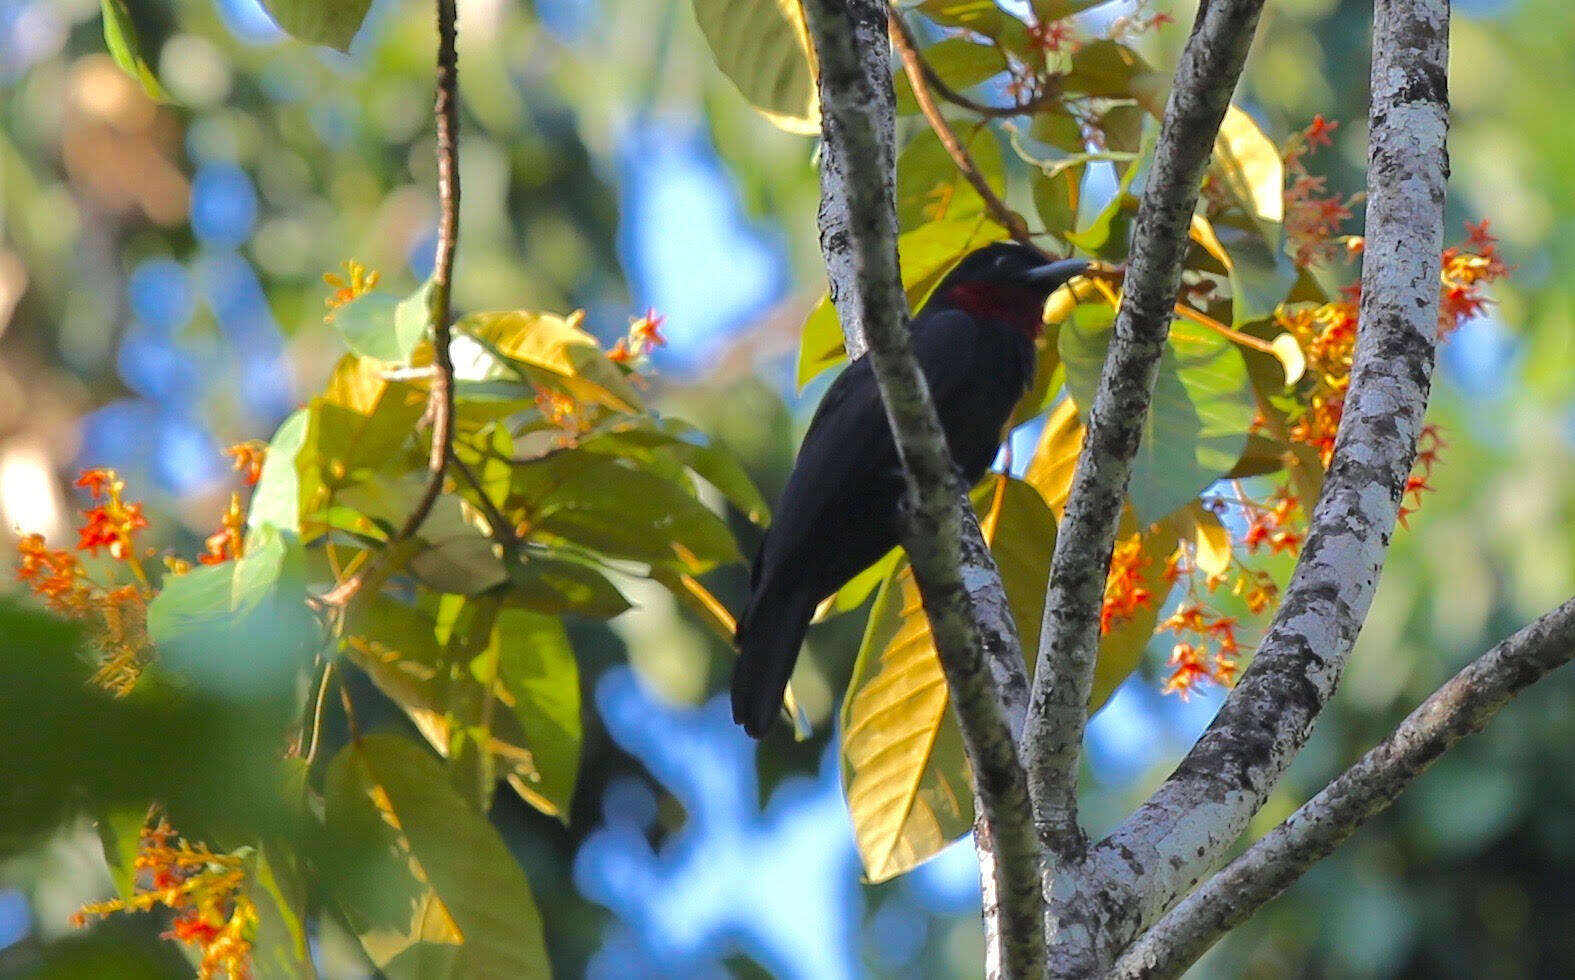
1205	78
1461	707
1164	848
956	574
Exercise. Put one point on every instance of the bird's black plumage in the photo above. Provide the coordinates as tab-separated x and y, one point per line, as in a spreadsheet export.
840	510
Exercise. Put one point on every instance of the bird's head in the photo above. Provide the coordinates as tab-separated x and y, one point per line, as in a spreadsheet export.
1006	281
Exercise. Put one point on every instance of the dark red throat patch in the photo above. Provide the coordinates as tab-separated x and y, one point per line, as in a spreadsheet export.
1019	307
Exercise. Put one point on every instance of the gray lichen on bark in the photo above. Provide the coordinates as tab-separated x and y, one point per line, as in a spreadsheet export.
1164	848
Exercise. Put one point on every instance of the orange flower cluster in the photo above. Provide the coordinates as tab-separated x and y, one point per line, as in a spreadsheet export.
1429	446
358	280
1271	523
1465	270
117	613
111	522
204	889
1327	336
645	335
1313	215
560	409
248	460
1125	592
229	541
1195	663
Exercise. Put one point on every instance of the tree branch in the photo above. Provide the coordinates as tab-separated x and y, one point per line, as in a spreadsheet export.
1462	707
1205	78
958	581
440	399
1162	849
920	77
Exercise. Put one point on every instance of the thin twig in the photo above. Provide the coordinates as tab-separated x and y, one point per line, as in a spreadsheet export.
317	711
1048	95
440	403
1235	336
920	77
1459	708
502	529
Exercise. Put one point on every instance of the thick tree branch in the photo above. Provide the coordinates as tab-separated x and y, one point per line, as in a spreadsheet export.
1162	850
440	403
1205	78
958	581
1462	707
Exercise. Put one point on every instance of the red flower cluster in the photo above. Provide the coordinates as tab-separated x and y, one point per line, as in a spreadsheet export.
1125	591
1194	663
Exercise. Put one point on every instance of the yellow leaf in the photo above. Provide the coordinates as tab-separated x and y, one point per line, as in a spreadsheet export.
904	772
1054	461
763	47
556	345
1291	357
1210	539
1251	168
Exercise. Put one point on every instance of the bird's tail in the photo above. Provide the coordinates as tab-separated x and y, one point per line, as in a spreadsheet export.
769	636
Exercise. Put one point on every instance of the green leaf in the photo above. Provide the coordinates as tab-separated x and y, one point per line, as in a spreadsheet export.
384	328
763	47
539	682
982	16
277	890
557	585
120	37
1261	274
1203	405
676	442
960	63
930	187
120	833
928	253
1057	198
1105	68
476	891
596	503
330	22
903	769
197	617
277	498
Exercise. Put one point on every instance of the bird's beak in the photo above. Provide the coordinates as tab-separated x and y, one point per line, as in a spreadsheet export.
1056	273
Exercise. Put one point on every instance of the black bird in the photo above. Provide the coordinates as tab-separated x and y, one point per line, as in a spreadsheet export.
974	341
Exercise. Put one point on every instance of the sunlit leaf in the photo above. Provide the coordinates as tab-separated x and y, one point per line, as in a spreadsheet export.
469	888
904	773
330	22
555	350
1249	165
1291	357
384	327
277	498
763	47
120	37
1209	538
1054	462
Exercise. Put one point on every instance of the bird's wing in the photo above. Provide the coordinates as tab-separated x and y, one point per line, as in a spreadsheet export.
945	343
847	441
